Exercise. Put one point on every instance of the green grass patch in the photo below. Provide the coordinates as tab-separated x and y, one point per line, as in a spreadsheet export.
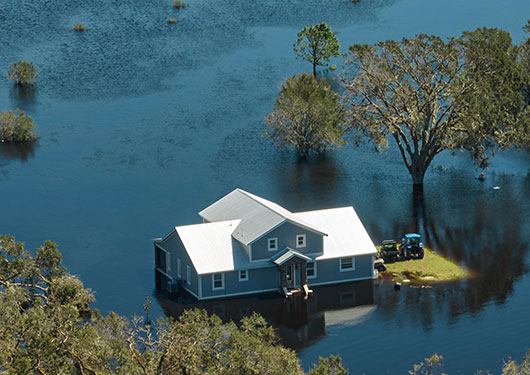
432	268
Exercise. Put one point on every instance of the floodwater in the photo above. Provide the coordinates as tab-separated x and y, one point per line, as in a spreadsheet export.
143	124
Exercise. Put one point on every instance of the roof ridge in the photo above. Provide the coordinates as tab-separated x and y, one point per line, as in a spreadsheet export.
252	196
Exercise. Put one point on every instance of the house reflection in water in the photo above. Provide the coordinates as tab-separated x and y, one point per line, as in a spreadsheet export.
298	321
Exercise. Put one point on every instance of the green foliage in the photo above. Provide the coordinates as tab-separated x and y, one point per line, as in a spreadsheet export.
48	327
317	44
79	27
16	126
306	115
22	73
180	4
432	366
328	366
512	368
431	95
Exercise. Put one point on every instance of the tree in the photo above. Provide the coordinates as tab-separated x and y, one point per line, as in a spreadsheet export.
328	366
48	327
432	95
16	126
512	368
306	115
317	44
22	73
432	366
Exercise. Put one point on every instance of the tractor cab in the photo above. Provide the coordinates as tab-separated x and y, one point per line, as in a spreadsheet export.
411	246
389	251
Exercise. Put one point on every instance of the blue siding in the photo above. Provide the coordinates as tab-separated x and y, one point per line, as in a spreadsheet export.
286	234
328	270
175	247
259	279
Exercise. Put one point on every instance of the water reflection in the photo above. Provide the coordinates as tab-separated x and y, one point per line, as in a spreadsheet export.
488	235
23	96
298	321
17	151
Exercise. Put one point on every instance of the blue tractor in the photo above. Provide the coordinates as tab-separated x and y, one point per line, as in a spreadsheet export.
411	247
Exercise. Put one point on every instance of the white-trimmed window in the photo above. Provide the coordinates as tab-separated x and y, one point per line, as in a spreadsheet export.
179	268
272	244
188	275
347	264
218	281
243	275
311	270
300	240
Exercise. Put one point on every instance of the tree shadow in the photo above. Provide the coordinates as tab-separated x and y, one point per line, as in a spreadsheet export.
23	96
21	151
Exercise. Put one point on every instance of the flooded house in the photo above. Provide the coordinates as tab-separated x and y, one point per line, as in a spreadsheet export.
247	244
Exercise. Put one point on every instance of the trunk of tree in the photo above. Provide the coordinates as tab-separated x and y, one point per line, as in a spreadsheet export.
417	172
315	70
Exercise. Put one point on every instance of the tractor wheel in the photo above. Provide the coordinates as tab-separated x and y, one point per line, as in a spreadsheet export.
420	255
406	254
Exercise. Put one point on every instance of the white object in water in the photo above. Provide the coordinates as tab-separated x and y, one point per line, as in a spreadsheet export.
496	187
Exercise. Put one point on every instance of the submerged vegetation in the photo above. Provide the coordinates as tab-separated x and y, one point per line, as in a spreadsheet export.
16	126
432	268
79	27
22	73
317	44
307	115
177	4
172	20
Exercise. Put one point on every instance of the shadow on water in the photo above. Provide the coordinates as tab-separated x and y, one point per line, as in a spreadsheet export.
24	97
488	236
22	151
298	321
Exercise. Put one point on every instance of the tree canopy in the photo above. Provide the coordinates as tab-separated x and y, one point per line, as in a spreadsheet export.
317	44
22	73
16	126
306	115
48	327
431	95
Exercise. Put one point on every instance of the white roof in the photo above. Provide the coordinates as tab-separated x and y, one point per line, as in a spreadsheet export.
346	234
211	247
258	216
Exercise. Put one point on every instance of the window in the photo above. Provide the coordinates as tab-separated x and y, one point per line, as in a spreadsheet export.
179	269
347	264
273	244
218	281
300	240
243	275
188	275
311	270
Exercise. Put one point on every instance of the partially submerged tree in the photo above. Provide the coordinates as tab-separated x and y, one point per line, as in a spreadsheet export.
317	44
22	73
307	115
431	95
16	126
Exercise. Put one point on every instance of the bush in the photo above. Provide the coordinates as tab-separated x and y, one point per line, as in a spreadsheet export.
180	4
16	126
79	27
22	73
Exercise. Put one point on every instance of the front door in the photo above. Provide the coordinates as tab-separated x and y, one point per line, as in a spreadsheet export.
296	275
289	274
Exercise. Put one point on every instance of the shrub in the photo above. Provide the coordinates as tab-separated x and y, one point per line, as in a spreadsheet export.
79	27
172	20
16	126
22	73
180	4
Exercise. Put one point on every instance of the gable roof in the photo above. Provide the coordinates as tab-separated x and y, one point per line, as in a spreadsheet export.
287	254
258	216
346	234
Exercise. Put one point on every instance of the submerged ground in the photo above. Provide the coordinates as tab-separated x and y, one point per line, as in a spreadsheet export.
143	124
